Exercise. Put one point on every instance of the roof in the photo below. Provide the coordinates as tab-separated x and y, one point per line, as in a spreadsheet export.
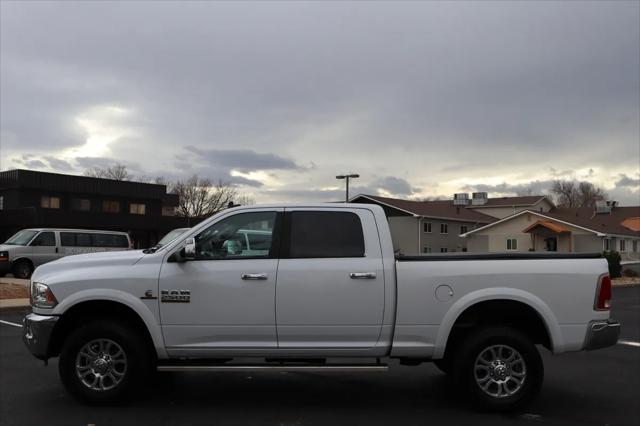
442	209
30	179
528	200
552	226
584	218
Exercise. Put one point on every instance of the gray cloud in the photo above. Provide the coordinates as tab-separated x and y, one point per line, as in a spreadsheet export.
394	185
422	91
530	188
243	160
628	181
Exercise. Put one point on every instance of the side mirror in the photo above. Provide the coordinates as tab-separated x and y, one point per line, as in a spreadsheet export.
189	250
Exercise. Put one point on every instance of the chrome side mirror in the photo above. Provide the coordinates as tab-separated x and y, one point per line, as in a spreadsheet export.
189	249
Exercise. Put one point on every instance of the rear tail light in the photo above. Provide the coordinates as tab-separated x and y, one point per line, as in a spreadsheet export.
603	294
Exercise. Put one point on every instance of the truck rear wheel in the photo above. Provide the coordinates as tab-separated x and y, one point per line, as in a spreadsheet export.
102	362
499	368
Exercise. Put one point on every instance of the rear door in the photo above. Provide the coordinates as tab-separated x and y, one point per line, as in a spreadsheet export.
330	287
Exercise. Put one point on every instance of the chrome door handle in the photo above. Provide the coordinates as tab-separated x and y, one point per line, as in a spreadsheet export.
362	275
254	276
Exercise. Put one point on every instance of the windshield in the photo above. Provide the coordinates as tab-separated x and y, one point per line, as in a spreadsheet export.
172	235
21	238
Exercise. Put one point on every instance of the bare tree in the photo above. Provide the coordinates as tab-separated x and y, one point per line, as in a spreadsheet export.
116	172
571	193
245	200
199	197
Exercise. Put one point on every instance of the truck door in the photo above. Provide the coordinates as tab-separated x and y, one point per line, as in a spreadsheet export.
330	288
225	297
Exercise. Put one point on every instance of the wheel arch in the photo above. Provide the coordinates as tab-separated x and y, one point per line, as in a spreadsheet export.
77	312
517	302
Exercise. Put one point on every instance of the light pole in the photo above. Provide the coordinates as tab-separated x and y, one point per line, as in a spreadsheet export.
346	178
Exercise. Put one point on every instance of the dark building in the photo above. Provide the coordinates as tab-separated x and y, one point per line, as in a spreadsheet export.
30	199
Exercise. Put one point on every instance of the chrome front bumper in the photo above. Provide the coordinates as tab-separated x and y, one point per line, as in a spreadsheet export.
36	333
601	334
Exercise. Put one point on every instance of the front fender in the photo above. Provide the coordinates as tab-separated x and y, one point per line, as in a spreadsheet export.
137	305
498	293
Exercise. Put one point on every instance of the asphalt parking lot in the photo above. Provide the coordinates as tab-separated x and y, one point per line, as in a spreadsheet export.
600	387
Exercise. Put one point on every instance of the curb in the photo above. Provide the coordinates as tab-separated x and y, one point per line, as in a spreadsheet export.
11	304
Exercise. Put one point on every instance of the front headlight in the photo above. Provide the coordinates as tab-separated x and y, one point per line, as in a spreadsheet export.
41	296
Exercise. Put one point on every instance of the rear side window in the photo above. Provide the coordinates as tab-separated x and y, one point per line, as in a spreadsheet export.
325	234
75	239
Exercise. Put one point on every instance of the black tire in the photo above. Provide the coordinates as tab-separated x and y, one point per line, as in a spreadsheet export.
22	269
443	365
124	379
502	377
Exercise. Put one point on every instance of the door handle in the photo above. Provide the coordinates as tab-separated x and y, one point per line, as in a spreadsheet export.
254	276
362	275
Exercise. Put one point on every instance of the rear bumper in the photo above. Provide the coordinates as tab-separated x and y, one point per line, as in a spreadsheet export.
601	334
36	333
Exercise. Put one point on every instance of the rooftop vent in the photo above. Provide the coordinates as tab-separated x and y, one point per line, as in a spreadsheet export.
461	199
605	206
479	198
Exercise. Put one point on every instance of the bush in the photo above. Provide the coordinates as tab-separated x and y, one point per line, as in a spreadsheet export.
613	259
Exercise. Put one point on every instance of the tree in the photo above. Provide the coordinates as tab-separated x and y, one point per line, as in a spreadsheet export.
116	172
200	197
245	200
571	193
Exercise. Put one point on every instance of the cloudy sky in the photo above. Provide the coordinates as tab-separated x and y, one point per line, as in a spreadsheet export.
422	99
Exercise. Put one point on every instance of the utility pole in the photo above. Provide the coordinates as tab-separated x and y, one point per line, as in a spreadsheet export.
346	178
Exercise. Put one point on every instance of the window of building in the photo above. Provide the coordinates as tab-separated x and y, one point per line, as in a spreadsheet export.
635	246
426	249
444	250
318	234
1	202
427	227
82	204
44	239
111	206
512	244
444	228
463	229
47	202
607	244
137	208
623	245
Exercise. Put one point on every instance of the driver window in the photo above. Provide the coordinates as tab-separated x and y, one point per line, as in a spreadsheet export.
232	238
44	239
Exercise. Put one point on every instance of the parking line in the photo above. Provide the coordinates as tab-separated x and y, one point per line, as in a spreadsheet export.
11	323
629	343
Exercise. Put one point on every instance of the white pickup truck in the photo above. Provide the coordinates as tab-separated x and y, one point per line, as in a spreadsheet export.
319	288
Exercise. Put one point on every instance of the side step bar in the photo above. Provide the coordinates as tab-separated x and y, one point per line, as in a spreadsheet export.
277	368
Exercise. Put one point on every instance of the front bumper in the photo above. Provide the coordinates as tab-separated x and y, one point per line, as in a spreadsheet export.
36	333
601	334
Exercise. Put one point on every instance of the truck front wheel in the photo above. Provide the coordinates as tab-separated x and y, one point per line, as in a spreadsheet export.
499	368
102	361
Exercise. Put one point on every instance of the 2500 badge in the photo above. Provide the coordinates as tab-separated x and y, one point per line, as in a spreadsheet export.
175	296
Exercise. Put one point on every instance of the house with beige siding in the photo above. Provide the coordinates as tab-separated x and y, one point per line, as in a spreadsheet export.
585	229
437	226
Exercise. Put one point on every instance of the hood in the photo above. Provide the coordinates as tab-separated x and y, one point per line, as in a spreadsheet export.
88	260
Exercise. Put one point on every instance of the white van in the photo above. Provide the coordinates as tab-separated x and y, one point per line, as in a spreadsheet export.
30	248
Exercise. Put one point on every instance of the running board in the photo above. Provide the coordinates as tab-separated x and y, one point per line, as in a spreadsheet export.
277	368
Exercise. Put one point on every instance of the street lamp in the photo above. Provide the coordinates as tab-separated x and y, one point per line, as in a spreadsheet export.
346	178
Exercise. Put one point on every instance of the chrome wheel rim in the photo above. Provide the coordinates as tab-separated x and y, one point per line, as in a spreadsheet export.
500	371
101	364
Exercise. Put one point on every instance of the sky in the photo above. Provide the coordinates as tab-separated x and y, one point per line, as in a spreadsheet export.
422	99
